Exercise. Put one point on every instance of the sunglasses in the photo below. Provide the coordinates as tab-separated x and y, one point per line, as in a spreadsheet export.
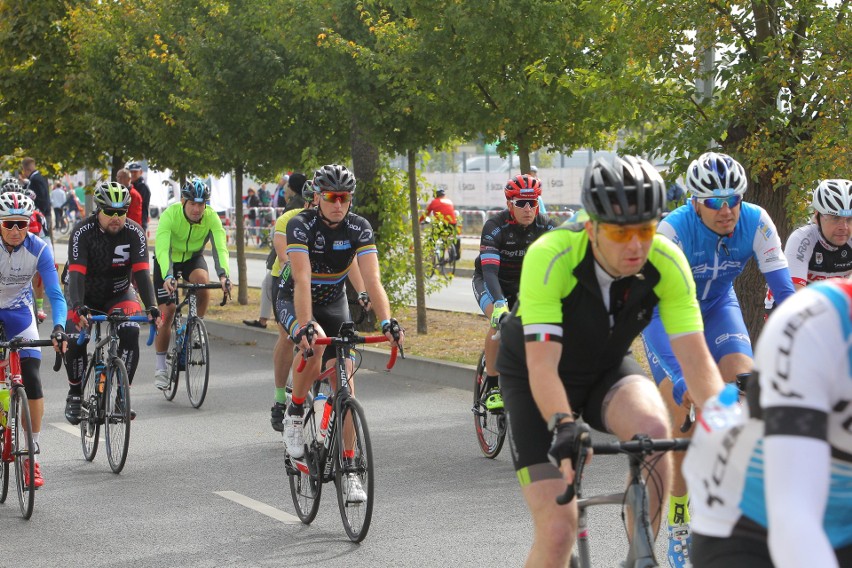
335	196
20	225
716	203
623	234
525	203
109	212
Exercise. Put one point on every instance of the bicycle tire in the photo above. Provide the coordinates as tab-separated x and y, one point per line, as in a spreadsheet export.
4	468
356	517
197	347
172	366
90	414
490	426
306	487
23	431
117	415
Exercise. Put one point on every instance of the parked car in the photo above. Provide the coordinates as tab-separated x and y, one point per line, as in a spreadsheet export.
489	164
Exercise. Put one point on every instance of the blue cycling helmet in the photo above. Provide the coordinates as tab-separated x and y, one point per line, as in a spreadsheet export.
715	175
195	190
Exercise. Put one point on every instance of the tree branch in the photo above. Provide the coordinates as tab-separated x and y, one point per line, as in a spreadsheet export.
737	28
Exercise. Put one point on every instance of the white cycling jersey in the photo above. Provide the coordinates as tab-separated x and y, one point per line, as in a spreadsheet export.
789	467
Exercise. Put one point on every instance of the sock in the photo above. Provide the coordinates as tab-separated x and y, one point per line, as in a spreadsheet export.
161	361
281	395
491	382
679	510
40	303
296	407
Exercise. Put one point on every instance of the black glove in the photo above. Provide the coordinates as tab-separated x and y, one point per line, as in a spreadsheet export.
393	327
364	299
567	439
155	313
59	334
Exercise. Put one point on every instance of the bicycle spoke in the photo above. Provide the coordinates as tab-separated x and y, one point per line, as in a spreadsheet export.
90	414
117	415
22	448
355	461
197	362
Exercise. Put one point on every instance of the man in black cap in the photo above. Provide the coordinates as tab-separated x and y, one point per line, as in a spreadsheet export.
137	183
295	183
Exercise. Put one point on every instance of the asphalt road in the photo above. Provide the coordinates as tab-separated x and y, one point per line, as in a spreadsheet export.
206	488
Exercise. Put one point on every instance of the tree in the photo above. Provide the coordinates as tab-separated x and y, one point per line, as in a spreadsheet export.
781	103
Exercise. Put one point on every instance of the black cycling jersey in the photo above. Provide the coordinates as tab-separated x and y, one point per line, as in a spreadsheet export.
100	265
331	252
501	251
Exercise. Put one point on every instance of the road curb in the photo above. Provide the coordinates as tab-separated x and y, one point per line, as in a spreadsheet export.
439	373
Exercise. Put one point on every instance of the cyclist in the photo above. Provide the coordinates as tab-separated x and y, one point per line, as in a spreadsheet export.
322	245
106	252
182	233
586	292
25	256
775	491
823	248
719	233
442	208
497	270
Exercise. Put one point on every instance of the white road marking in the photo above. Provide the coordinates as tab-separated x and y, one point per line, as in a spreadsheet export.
262	508
73	430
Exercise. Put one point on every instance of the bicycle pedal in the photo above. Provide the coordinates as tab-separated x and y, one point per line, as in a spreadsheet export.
479	413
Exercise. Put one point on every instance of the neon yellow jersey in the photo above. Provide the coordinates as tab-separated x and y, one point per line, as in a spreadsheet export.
178	240
281	229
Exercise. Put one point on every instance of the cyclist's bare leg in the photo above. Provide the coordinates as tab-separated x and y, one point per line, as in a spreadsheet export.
555	526
303	380
164	332
200	276
282	358
492	348
36	413
634	406
734	364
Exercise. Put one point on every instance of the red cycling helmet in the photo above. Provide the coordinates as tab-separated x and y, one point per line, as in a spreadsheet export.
523	187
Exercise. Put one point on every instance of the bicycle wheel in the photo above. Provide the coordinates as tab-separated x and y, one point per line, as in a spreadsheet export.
306	488
172	365
450	264
4	468
197	359
490	426
356	462
117	415
90	414
22	449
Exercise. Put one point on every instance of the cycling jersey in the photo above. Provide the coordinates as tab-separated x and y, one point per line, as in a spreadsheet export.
100	265
443	210
331	252
803	383
501	252
179	240
17	269
281	229
812	258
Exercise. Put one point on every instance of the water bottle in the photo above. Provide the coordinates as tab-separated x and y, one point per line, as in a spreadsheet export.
319	407
322	431
722	411
4	405
99	370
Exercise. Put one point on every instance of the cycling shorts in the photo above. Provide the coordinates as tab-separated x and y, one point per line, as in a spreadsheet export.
20	321
741	552
484	297
330	317
530	440
724	330
184	268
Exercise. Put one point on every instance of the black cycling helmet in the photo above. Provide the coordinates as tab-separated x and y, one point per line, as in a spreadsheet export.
112	195
334	177
195	190
623	190
308	191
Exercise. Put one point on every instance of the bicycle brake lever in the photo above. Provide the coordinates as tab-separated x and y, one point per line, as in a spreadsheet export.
58	363
690	420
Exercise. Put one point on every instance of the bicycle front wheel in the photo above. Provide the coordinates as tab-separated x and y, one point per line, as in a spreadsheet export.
306	488
354	470
490	425
197	361
172	364
117	415
4	467
90	414
22	449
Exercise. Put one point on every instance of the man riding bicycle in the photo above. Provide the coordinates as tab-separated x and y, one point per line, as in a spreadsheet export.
586	292
774	492
718	232
446	222
25	256
106	252
497	270
322	244
182	233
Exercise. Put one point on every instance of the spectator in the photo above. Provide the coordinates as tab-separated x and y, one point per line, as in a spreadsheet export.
134	212
57	200
264	196
674	194
80	194
139	185
279	198
74	207
295	180
39	186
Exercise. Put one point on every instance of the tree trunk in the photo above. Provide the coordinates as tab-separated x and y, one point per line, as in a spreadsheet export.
242	294
418	244
751	285
365	165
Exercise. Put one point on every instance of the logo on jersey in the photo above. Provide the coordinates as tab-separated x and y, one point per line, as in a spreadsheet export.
300	235
121	255
366	235
765	229
319	243
341	245
728	336
818	257
723	266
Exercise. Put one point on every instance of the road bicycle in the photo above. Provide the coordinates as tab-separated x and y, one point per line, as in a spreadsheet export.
106	391
335	453
16	431
444	256
490	425
189	346
635	498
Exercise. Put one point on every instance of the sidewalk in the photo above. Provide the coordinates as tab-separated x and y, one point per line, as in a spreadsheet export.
439	373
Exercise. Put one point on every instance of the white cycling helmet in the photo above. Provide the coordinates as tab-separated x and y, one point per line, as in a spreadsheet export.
715	175
14	204
834	197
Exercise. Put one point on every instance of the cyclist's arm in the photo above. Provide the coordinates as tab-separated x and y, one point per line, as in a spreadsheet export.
300	272
163	246
699	368
139	266
489	258
50	278
220	249
355	278
78	252
770	259
368	263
